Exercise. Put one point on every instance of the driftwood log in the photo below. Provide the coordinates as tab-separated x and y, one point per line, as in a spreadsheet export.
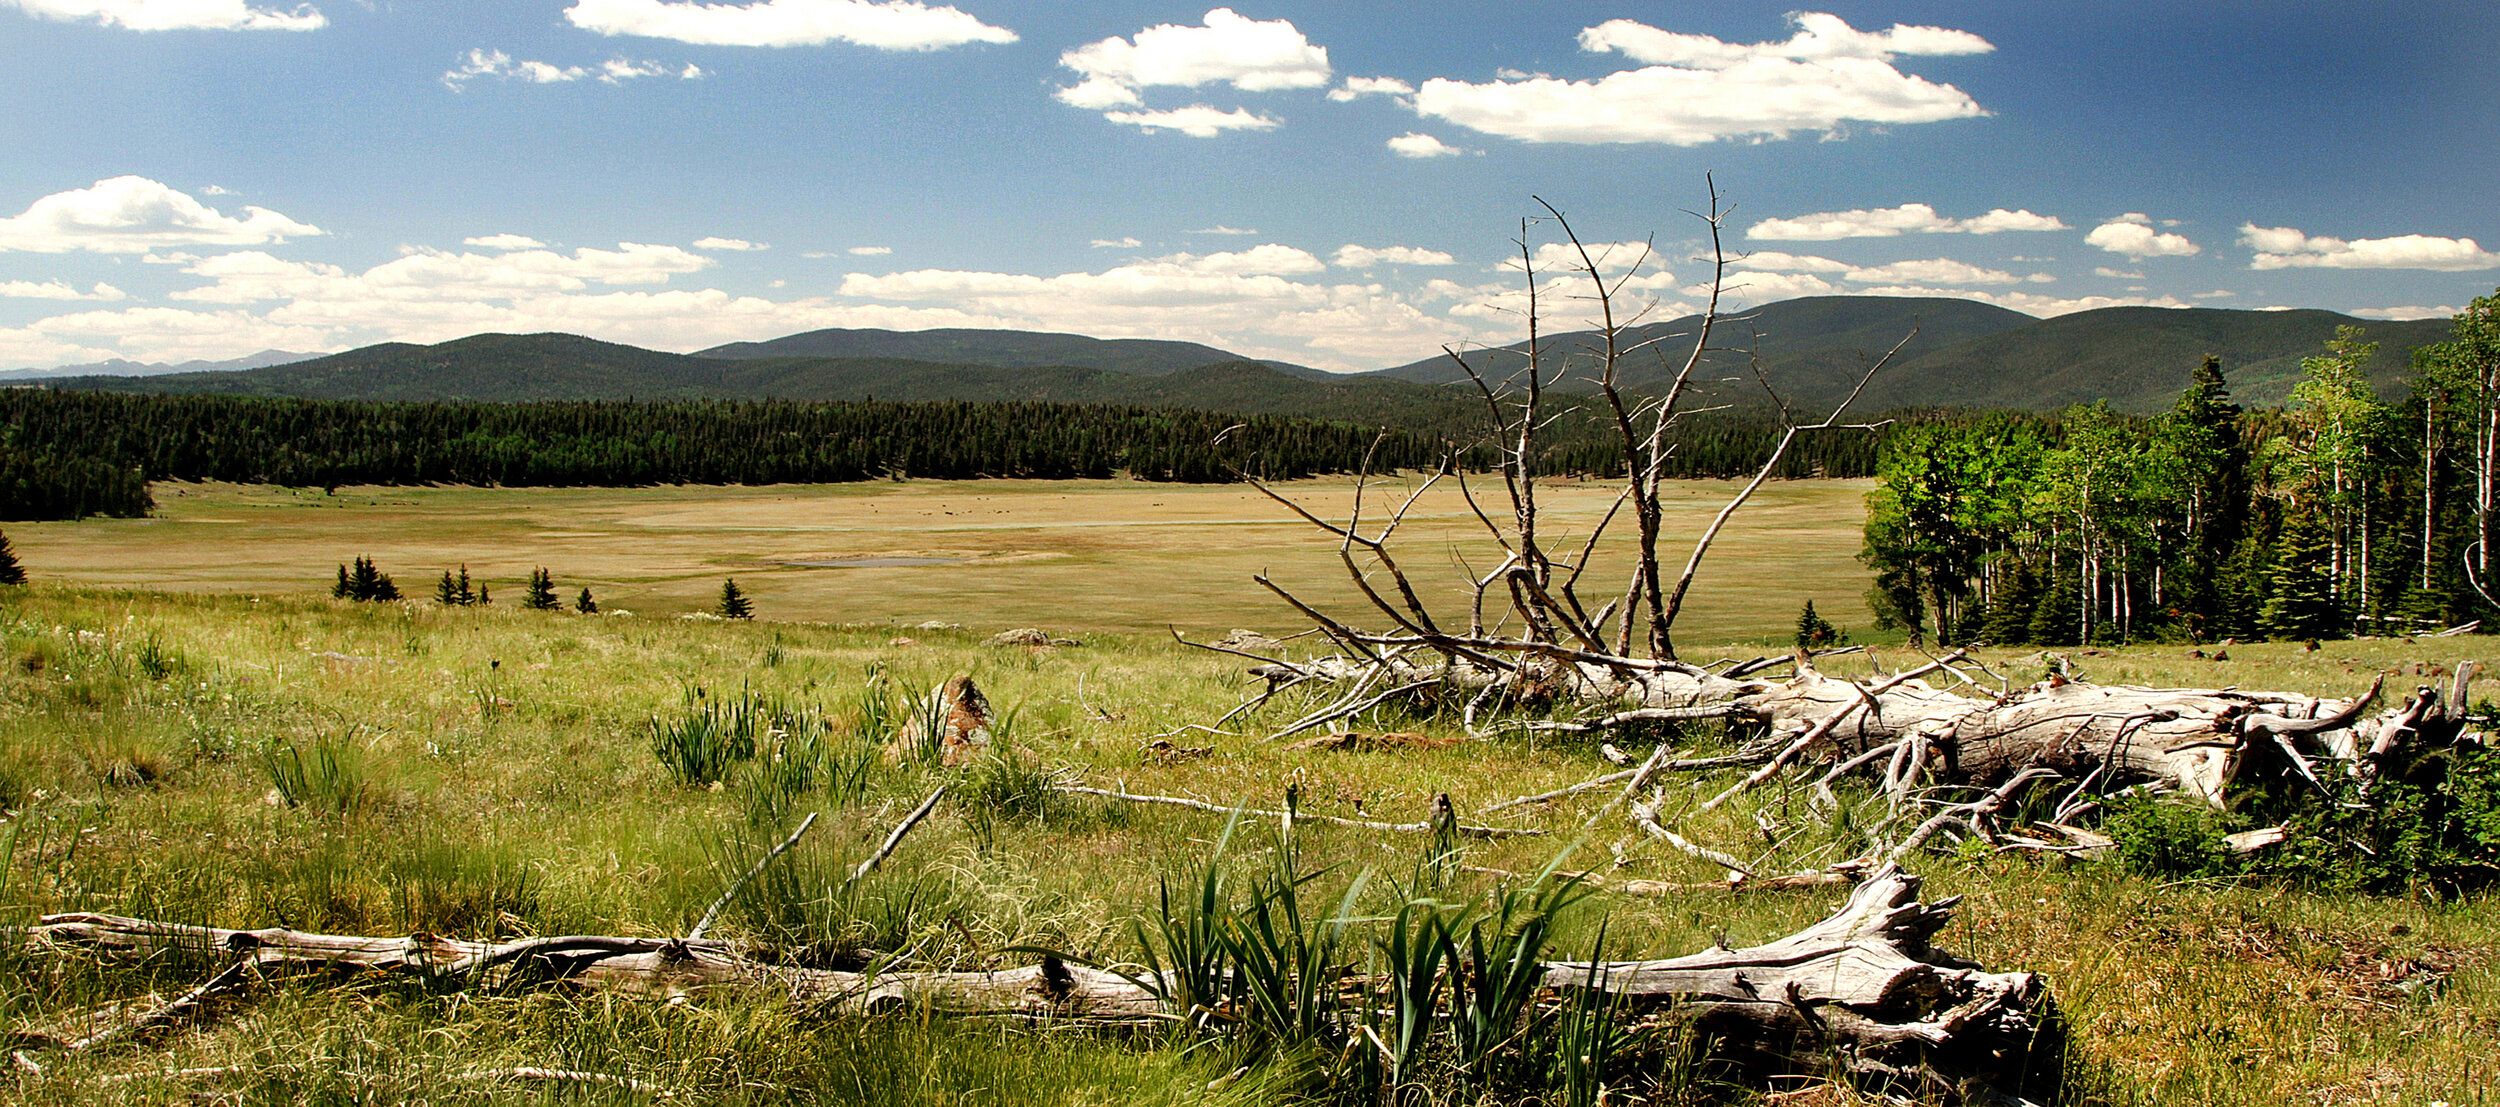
1863	987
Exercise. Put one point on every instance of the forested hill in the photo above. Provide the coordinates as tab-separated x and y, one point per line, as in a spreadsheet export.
1004	349
1967	354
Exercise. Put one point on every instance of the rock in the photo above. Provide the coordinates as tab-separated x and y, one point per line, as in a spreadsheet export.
902	640
935	624
1244	639
962	715
1028	637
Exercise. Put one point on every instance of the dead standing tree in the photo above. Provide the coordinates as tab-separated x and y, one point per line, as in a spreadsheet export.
1530	634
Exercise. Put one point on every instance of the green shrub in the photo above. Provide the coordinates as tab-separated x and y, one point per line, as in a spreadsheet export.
332	780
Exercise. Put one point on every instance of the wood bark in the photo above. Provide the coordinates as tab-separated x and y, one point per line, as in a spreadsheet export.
1864	985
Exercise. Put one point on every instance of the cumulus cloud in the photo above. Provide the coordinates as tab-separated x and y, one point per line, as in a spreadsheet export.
614	71
1416	144
2287	248
2133	235
177	15
1262	314
494	242
2115	274
1931	271
1351	256
2031	303
131	215
1773	261
734	245
253	276
1356	88
56	290
881	24
1196	120
1271	258
1221	228
1124	243
1697	89
863	251
1248	54
1825	226
2412	312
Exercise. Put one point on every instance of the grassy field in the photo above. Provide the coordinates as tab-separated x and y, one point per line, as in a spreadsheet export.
491	772
1080	556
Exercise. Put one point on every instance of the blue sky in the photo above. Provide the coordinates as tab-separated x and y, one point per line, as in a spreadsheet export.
1335	184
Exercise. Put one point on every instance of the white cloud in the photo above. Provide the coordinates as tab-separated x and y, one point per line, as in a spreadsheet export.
1698	89
1826	226
130	215
2216	294
178	15
2415	312
882	24
1351	256
495	242
614	71
1818	36
2287	248
1610	257
1773	261
2116	274
2133	235
733	245
1271	259
1196	120
422	275
152	334
1356	88
1221	228
1760	287
1416	144
1931	271
1248	54
56	290
1124	243
169	257
863	251
2032	303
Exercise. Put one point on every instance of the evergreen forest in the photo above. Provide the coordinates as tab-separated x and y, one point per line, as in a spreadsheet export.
2337	514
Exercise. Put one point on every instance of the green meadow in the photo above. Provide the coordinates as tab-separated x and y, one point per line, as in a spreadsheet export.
191	730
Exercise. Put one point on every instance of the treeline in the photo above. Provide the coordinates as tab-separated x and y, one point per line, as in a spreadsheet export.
1709	444
67	454
2338	514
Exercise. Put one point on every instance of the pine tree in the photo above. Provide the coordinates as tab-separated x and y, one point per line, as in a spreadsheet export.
2058	621
1814	631
445	593
468	595
584	604
10	571
2303	603
542	595
733	603
2017	597
483	596
345	587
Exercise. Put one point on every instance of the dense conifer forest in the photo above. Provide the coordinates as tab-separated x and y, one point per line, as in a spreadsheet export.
2337	514
68	454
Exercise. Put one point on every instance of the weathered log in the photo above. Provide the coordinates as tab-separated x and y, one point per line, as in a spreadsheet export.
1866	985
1863	984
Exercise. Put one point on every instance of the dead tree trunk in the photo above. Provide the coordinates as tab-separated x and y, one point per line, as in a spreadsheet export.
1863	985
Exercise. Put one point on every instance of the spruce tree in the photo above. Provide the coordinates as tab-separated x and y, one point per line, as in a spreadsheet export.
445	593
1814	631
542	594
2010	610
733	603
483	596
345	587
2058	621
2302	602
466	593
10	571
584	604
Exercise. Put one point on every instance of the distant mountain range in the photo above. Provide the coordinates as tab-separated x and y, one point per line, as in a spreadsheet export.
1812	350
116	367
1970	354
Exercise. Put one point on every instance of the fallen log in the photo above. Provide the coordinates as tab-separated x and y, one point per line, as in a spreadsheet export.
1863	985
